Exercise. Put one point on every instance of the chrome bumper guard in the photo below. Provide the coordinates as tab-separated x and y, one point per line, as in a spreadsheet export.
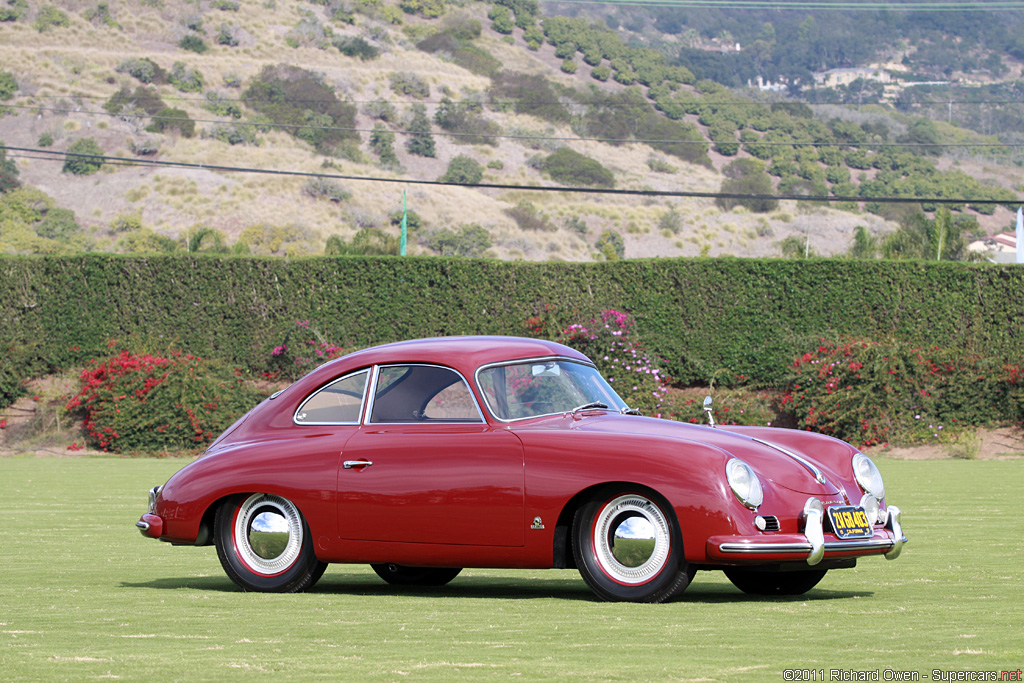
815	546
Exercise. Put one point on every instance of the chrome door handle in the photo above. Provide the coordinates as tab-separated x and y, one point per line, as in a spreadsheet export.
349	464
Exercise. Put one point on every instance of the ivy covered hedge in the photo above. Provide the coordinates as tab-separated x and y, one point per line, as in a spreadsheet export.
739	318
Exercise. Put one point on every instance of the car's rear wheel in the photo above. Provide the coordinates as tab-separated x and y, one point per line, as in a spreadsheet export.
775	583
400	575
628	547
264	544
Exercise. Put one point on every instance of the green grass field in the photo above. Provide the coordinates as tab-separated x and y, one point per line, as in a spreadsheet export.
84	596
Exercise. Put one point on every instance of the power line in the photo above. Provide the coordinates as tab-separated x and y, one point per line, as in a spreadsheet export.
809	5
541	138
55	156
507	102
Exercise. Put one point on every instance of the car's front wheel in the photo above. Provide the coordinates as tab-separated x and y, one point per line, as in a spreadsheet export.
775	583
628	547
264	544
400	575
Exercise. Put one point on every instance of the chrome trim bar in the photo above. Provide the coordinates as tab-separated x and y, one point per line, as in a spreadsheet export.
818	476
804	547
142	525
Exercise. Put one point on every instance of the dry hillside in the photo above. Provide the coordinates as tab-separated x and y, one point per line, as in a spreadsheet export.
66	73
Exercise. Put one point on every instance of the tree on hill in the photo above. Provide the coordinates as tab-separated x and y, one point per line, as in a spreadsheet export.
8	172
420	141
747	177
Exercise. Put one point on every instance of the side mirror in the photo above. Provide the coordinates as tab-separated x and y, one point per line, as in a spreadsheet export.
708	409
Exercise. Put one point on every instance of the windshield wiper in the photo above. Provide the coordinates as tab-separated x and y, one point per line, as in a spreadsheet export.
630	411
585	406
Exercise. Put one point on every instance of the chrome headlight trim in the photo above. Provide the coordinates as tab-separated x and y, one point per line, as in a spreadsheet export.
868	476
744	483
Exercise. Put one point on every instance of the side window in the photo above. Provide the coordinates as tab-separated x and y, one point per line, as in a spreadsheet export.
339	402
422	393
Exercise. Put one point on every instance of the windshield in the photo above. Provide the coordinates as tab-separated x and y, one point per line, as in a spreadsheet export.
519	390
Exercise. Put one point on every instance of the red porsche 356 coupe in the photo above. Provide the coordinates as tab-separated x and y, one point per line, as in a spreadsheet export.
423	457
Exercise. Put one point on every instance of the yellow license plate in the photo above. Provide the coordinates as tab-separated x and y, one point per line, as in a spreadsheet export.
849	521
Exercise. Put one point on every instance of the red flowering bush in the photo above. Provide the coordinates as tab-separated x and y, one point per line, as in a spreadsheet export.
870	392
610	342
144	402
302	349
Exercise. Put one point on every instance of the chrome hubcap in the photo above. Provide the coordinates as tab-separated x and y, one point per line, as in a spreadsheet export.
631	539
268	533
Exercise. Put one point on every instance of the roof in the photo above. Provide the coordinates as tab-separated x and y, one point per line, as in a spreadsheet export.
465	354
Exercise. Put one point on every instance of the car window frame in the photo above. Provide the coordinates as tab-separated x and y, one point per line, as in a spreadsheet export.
525	361
372	394
370	376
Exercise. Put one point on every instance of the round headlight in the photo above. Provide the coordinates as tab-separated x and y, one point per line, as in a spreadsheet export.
868	476
744	483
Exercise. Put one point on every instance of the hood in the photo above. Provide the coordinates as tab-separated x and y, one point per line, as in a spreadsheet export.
782	465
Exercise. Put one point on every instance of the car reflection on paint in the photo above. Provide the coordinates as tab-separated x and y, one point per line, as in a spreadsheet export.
424	457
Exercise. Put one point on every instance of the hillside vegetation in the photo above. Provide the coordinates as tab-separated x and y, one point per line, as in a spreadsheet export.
344	106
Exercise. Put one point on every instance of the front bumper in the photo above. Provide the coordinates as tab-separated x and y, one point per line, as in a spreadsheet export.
150	524
813	544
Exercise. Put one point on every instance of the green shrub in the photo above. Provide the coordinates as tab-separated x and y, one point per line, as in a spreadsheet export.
409	84
8	86
233	134
467	240
13	10
325	188
281	240
465	121
569	167
184	78
463	170
611	245
172	118
146	241
368	241
143	402
356	46
430	9
527	217
100	14
293	97
143	69
227	35
532	95
50	17
193	43
83	165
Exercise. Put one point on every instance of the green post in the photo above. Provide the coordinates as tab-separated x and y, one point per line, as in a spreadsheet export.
405	225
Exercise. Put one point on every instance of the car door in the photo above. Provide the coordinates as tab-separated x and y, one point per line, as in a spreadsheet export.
426	468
